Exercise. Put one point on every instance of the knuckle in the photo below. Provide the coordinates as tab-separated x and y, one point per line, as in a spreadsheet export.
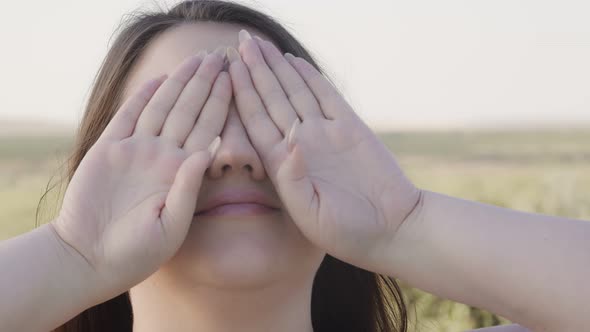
158	104
119	152
276	99
325	90
142	97
147	152
258	70
246	96
218	99
297	88
208	72
172	160
252	117
205	127
274	94
196	141
316	78
200	82
175	83
125	114
187	106
281	66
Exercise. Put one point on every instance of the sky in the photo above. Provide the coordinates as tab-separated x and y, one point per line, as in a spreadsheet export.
402	65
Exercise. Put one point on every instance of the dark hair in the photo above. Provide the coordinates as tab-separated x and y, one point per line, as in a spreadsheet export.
344	297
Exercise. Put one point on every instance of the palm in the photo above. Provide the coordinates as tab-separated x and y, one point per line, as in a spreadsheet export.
130	203
118	193
340	184
344	164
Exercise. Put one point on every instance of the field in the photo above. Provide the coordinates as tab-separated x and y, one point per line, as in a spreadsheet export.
537	171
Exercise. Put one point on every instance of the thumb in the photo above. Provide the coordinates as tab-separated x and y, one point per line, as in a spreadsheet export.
295	187
181	201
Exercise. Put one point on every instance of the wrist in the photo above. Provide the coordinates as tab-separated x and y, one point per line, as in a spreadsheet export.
416	211
78	273
395	253
43	278
403	220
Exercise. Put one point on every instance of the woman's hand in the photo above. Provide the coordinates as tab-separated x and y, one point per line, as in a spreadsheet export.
338	181
130	203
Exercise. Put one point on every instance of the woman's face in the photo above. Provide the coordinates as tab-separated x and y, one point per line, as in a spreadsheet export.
229	251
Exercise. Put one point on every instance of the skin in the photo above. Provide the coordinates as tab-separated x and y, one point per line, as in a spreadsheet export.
348	196
253	274
127	216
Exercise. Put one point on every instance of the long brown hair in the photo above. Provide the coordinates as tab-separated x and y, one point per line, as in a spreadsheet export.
344	297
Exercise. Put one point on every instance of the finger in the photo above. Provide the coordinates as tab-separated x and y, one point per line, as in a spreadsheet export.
266	84
331	101
152	119
125	119
182	117
293	182
262	131
297	91
213	116
178	210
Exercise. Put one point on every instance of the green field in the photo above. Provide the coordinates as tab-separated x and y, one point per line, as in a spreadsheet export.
543	171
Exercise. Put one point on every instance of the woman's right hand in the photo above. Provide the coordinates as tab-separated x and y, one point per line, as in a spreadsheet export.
129	205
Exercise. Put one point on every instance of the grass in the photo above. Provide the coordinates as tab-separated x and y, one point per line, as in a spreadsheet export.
537	171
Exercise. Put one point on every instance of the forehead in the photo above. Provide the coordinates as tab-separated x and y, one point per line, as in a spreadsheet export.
166	51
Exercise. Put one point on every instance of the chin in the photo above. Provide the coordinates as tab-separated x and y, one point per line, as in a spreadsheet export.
246	268
244	252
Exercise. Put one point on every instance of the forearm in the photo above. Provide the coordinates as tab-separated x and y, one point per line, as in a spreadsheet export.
529	268
42	285
502	328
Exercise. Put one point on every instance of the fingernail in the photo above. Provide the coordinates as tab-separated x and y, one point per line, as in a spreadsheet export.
290	137
258	38
289	56
214	146
233	54
244	35
202	54
220	51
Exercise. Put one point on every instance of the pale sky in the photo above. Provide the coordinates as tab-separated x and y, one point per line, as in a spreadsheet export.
401	64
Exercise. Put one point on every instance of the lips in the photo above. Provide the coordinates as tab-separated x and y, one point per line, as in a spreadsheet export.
238	201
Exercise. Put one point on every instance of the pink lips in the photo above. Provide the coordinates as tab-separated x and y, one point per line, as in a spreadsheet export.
237	209
238	202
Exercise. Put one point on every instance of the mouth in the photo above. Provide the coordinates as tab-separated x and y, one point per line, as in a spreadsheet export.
237	209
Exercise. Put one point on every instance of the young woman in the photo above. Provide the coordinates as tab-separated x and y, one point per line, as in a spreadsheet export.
221	183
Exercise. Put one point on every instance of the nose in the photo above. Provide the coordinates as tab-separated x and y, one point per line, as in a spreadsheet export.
235	156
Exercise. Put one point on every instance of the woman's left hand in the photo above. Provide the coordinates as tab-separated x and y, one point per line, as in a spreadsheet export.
339	183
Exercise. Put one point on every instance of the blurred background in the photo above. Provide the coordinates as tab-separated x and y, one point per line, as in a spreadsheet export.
488	101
